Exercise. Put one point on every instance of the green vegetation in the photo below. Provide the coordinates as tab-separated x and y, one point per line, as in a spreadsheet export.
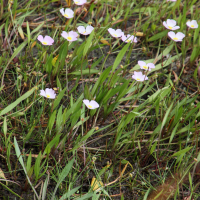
141	133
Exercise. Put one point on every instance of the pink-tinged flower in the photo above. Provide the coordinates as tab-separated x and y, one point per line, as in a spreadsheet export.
91	104
115	33
138	76
192	24
171	24
129	38
176	37
79	2
85	31
68	13
48	93
145	66
47	40
71	36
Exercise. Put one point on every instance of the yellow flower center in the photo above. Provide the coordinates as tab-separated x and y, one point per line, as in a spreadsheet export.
48	95
44	43
89	106
138	79
170	27
192	26
66	15
115	35
69	38
76	2
128	40
175	38
145	67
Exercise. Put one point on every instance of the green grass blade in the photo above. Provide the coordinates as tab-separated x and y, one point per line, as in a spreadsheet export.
62	176
19	156
120	56
15	103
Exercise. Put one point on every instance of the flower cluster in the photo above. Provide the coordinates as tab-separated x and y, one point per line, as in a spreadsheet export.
138	76
120	34
171	25
72	35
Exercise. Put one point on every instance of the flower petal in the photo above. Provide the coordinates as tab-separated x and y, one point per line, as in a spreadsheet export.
64	34
42	93
81	29
180	35
165	24
119	32
89	29
73	33
171	34
124	38
62	11
111	31
94	104
171	22
175	27
40	38
49	40
141	63
86	101
150	66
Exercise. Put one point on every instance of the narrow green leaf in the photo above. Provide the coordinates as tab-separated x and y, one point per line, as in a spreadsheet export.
5	127
173	133
28	32
166	117
52	120
120	56
44	190
88	43
38	28
58	99
62	176
15	103
158	36
19	156
37	166
69	193
182	152
51	144
85	72
7	188
86	196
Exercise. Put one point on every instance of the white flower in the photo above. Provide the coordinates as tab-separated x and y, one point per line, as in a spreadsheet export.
129	38
71	36
68	13
138	76
79	2
85	31
115	33
171	24
91	104
192	24
176	37
47	40
145	66
48	93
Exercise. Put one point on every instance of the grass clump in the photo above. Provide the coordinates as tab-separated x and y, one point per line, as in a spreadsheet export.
99	100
